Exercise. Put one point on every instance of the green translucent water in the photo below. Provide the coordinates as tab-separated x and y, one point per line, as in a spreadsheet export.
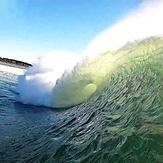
121	122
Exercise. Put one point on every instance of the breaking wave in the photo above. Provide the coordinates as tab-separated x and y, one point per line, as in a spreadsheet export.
63	79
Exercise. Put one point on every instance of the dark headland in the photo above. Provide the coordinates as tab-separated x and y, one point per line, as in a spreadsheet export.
14	63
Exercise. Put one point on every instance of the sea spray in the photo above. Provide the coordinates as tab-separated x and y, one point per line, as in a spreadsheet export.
42	85
143	22
35	86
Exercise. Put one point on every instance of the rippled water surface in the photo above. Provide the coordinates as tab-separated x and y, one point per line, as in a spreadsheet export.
114	126
122	122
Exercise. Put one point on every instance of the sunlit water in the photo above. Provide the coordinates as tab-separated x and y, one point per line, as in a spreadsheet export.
121	122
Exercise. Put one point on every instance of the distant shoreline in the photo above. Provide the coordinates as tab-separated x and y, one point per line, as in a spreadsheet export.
14	63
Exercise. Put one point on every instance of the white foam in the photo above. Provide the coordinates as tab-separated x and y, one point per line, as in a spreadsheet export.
12	70
35	86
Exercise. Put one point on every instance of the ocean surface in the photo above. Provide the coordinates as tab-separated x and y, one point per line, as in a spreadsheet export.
95	131
122	122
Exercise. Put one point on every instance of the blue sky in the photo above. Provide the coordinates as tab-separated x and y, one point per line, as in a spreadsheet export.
30	28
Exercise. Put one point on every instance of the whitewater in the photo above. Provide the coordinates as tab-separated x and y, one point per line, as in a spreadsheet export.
13	70
64	79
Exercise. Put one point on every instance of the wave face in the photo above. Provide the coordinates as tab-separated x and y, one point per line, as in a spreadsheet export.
121	122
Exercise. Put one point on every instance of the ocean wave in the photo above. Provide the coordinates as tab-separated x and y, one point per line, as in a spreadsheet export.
63	80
